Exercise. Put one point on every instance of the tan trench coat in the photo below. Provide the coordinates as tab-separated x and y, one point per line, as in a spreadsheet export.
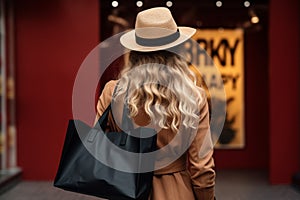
189	177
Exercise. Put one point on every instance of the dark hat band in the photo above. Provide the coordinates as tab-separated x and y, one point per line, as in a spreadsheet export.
157	41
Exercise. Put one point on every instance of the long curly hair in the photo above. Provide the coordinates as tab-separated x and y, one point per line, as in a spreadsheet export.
162	85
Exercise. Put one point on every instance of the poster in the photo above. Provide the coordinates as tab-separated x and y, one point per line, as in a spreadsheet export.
225	47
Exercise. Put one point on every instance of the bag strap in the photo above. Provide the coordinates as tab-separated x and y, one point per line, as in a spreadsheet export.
102	121
127	124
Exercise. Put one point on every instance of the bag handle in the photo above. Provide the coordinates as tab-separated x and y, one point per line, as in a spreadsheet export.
102	121
127	124
126	121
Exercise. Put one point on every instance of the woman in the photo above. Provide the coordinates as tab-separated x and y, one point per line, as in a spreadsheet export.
165	95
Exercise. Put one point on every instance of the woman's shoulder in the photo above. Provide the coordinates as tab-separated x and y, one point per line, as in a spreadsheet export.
111	83
109	86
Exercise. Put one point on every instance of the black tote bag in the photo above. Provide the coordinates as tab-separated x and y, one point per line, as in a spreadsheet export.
79	170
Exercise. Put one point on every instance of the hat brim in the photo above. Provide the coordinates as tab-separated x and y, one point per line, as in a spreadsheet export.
128	40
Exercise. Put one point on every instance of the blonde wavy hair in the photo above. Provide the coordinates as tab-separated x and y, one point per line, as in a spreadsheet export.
163	86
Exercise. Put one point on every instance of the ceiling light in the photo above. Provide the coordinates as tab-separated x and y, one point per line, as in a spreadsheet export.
139	3
169	3
254	19
115	4
246	4
219	3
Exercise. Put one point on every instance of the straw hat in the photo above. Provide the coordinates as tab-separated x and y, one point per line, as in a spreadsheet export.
155	29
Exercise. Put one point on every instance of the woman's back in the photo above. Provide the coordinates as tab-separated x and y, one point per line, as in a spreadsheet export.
179	171
161	92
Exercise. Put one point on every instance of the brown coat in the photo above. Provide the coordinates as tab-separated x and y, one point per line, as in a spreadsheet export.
189	177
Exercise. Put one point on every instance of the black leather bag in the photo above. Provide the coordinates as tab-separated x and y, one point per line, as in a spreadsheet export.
79	170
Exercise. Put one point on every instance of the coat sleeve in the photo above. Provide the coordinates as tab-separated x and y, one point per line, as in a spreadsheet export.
201	168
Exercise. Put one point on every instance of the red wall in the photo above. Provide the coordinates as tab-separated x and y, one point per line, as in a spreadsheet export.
52	39
284	90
